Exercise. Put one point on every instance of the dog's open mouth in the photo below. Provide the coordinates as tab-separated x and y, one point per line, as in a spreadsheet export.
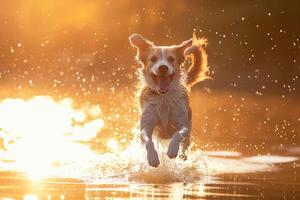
163	82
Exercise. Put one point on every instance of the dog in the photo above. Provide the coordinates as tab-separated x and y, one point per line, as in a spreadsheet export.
163	91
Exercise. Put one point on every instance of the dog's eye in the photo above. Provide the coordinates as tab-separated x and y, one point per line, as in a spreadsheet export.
153	58
171	59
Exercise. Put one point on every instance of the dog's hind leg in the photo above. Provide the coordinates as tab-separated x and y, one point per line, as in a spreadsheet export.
147	124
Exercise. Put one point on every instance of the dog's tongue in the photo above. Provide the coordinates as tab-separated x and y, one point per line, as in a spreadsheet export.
163	83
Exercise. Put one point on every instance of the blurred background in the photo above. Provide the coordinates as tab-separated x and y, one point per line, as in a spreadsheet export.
79	49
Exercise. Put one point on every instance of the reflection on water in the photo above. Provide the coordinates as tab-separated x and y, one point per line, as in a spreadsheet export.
216	175
46	157
46	133
259	185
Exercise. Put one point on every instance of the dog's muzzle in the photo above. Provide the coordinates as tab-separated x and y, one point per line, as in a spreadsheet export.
162	82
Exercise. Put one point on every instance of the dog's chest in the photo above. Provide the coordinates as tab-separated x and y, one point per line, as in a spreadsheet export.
166	105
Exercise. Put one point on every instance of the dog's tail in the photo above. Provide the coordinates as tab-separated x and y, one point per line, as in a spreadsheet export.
198	71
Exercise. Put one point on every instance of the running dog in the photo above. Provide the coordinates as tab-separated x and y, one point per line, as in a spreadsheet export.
163	92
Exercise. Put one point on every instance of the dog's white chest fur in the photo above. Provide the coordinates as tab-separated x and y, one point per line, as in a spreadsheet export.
163	106
167	105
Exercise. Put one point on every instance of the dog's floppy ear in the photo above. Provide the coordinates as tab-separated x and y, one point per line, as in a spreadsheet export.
138	41
184	45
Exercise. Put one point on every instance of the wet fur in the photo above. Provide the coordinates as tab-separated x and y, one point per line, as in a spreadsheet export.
168	114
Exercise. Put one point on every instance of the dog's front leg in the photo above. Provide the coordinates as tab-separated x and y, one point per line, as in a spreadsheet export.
147	124
181	119
180	135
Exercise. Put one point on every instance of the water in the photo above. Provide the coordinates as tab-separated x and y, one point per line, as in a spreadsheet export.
205	175
42	162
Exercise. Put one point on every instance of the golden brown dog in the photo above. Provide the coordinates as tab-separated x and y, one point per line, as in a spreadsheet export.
165	84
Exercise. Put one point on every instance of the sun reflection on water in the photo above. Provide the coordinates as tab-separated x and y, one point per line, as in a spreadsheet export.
31	197
113	145
41	133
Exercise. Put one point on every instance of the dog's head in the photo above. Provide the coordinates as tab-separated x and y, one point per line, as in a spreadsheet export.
160	64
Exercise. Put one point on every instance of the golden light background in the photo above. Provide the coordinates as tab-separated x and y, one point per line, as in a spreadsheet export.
79	50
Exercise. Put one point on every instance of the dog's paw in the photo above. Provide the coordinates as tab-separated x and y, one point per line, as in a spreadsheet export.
152	155
174	146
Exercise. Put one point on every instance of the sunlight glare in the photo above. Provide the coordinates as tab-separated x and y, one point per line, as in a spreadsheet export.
113	145
30	197
41	132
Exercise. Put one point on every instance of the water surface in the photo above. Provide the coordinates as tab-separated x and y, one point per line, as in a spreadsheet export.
57	159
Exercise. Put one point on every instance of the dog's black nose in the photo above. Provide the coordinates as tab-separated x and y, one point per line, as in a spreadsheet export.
163	69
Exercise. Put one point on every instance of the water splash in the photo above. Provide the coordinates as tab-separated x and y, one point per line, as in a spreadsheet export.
131	165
